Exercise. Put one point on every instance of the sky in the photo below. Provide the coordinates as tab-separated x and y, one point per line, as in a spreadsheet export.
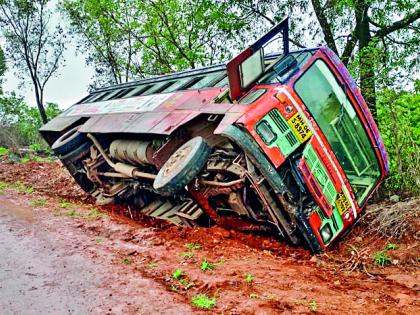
68	86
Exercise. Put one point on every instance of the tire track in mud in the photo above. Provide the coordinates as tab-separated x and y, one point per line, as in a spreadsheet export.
136	261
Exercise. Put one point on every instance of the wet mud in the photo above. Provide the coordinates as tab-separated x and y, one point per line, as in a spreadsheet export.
62	256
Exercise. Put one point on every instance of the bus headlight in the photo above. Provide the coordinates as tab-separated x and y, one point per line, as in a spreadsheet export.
326	233
265	132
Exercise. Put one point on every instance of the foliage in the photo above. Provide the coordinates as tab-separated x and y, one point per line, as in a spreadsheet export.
177	274
3	151
399	123
32	48
130	39
192	246
381	258
206	265
391	246
203	301
249	278
19	123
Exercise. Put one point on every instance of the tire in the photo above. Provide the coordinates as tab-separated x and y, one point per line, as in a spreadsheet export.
69	141
73	161
182	166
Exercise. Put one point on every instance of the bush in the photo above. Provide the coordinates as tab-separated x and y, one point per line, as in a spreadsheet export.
399	124
19	123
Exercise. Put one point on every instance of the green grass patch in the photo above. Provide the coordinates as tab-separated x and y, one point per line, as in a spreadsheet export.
91	214
126	261
186	255
4	151
381	259
391	246
203	301
65	204
249	278
38	202
3	186
178	274
192	246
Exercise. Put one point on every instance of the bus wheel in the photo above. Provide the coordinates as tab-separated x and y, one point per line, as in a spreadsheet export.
182	166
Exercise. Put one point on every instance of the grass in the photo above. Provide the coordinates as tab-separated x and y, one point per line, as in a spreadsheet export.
3	186
20	187
381	259
178	274
203	301
186	255
126	261
3	151
312	304
91	214
206	265
391	246
192	246
189	285
38	202
65	204
249	278
152	265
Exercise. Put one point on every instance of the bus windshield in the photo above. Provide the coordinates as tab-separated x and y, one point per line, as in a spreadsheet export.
332	110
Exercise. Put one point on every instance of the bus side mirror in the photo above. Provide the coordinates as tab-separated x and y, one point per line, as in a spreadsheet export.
247	67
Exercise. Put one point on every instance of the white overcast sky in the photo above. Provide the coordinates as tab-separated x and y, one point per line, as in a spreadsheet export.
68	86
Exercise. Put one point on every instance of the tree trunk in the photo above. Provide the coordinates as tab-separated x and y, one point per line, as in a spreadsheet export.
366	62
41	108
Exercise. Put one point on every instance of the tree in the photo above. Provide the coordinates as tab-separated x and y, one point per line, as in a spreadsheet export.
385	32
32	48
2	68
372	37
132	39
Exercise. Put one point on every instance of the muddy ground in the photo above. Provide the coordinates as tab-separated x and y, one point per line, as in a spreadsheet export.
61	254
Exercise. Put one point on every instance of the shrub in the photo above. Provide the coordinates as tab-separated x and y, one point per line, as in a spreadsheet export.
19	123
399	124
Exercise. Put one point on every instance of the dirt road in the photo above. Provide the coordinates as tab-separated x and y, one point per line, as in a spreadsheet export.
62	256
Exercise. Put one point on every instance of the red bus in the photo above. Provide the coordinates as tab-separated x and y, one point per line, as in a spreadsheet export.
279	142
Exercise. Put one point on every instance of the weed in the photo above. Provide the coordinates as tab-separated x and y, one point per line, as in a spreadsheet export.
25	159
189	285
126	261
99	240
390	246
4	151
186	255
71	213
381	258
191	246
182	281
174	288
253	296
205	265
38	202
152	265
3	186
203	301
177	274
313	305
18	186
94	214
91	214
249	278
65	205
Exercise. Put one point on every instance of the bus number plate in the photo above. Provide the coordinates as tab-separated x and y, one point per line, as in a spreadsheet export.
300	127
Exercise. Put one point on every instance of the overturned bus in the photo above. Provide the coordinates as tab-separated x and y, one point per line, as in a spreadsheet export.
272	142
